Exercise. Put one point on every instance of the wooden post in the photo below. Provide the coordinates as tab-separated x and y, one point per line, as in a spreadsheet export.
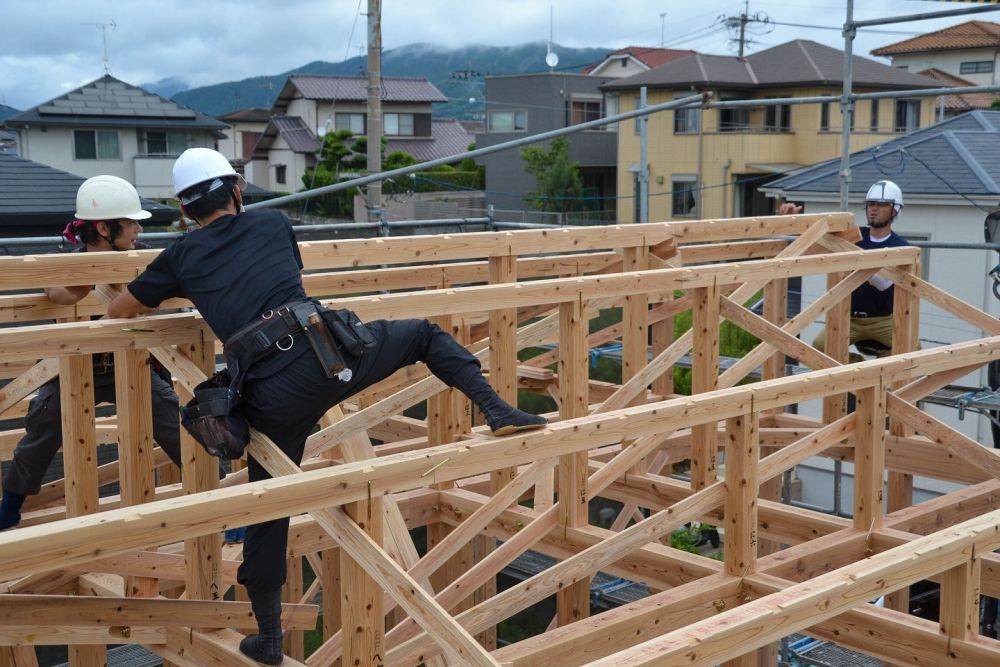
635	322
133	404
294	642
959	614
203	554
76	393
742	455
704	377
869	458
838	325
361	611
573	602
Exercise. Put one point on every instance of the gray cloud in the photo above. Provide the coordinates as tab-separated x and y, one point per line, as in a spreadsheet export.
48	48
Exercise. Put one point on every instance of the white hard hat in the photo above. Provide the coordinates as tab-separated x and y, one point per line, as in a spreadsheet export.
887	192
108	198
198	165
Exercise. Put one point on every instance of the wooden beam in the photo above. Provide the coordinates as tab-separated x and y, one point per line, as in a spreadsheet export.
704	378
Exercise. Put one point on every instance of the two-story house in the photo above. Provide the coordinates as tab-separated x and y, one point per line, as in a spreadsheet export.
247	127
522	104
309	105
710	163
111	127
633	60
969	50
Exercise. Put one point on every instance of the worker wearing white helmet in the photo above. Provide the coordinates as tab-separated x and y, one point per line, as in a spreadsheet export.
108	212
289	359
872	302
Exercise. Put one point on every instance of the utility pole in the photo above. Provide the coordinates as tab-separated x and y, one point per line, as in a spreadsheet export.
374	190
663	28
737	26
743	26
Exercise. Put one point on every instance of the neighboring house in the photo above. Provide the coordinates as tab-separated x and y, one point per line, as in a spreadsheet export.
8	142
952	105
247	128
37	200
709	163
309	105
522	104
111	127
969	50
950	177
634	60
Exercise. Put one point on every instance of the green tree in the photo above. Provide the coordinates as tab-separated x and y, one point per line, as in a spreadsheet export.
559	187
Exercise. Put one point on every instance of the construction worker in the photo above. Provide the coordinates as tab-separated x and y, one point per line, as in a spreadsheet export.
242	271
871	303
107	218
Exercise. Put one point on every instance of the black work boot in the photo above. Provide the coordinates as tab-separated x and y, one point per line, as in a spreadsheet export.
265	646
10	509
502	417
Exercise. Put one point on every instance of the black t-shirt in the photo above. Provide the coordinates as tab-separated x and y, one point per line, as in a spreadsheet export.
233	270
868	299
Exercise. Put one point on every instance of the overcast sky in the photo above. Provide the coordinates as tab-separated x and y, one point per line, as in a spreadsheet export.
51	46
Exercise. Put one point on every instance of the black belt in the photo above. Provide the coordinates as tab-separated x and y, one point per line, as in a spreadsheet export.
862	315
272	331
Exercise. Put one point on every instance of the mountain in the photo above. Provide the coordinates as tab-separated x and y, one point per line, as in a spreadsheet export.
6	112
166	87
458	74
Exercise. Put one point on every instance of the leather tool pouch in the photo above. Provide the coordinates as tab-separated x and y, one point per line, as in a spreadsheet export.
349	331
214	418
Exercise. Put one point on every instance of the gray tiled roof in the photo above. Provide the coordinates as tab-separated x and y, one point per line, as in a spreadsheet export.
293	130
797	63
355	88
449	138
108	101
31	192
959	154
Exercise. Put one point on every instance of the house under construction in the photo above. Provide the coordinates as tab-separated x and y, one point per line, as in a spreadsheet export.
148	566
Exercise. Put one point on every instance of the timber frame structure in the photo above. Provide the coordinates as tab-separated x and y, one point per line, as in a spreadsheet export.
148	567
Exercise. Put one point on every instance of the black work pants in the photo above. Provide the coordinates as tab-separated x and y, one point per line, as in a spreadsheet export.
286	405
43	429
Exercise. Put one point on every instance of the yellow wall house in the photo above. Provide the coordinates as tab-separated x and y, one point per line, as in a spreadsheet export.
710	163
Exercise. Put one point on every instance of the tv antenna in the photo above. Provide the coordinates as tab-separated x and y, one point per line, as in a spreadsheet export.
551	59
104	38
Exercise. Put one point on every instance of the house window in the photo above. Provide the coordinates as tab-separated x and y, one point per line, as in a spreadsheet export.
280	174
873	117
907	115
734	120
398	124
611	109
507	121
161	142
96	145
686	120
778	118
355	122
583	110
824	117
976	67
682	196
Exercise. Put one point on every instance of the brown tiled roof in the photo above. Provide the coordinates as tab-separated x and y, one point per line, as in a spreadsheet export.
355	88
249	115
449	138
293	130
960	102
968	35
648	55
797	63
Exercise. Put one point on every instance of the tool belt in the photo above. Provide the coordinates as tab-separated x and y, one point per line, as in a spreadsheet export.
213	417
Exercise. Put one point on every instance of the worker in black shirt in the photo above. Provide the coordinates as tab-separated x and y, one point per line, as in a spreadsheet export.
243	268
108	212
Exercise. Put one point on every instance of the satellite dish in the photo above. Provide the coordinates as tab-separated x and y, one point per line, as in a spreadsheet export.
551	59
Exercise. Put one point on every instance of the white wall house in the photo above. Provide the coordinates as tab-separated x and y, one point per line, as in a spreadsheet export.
950	177
635	60
247	127
111	127
970	50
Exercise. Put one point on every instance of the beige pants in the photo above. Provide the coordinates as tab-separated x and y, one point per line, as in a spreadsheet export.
863	328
